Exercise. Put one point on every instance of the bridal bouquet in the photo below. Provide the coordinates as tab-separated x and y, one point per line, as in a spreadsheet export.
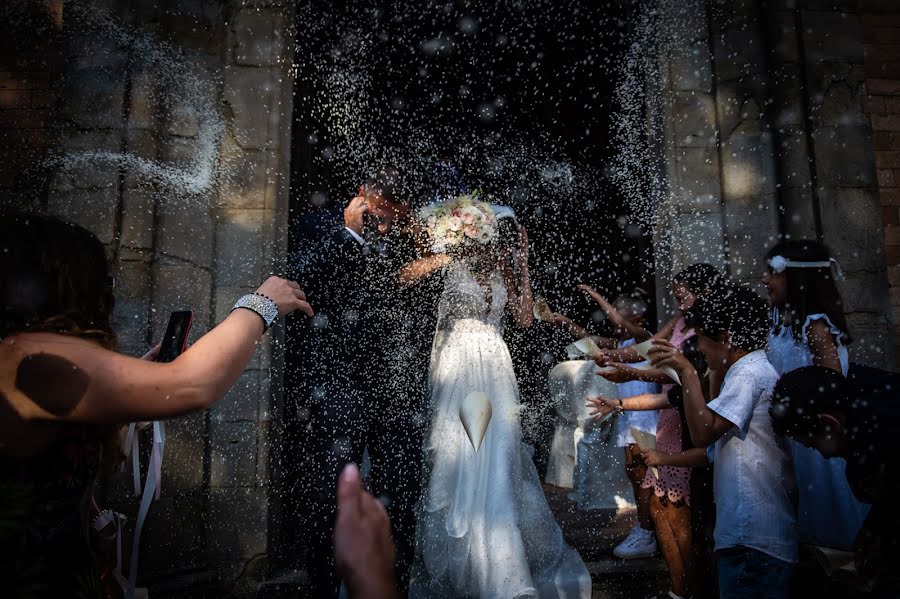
458	223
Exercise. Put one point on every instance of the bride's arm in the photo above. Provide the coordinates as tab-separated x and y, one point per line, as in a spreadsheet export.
521	302
414	271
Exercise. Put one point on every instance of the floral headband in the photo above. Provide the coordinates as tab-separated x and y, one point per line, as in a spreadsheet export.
779	263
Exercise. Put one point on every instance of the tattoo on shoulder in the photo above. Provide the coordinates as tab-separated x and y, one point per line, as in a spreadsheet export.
52	382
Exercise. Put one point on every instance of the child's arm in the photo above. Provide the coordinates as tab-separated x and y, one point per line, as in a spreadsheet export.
624	373
691	458
635	330
647	401
822	346
579	332
705	425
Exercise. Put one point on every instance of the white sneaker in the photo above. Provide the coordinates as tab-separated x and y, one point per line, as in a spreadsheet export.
639	543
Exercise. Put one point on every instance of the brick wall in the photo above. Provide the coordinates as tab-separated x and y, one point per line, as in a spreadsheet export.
881	35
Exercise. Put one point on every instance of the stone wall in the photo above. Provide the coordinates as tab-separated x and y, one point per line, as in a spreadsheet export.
28	73
767	138
201	92
881	34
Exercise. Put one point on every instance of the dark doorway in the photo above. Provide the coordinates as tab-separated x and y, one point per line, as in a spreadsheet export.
519	98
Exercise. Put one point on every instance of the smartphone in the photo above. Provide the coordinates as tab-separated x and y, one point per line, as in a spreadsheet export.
175	340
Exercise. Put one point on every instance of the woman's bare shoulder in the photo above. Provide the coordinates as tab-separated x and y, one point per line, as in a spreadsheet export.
41	374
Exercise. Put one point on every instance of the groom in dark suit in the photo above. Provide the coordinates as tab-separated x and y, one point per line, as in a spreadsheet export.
363	377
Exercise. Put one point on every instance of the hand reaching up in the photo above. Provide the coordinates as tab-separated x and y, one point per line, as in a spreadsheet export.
611	313
601	406
363	547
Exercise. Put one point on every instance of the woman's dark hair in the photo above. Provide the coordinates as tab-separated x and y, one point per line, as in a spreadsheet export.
809	290
54	277
731	309
801	395
698	277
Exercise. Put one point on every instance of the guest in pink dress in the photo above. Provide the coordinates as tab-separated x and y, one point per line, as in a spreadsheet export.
670	503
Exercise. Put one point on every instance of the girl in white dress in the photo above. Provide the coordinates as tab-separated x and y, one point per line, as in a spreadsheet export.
484	527
810	329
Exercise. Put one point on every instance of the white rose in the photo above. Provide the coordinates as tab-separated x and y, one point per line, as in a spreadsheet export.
454	223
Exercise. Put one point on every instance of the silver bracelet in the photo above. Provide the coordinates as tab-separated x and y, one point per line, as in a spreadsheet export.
264	306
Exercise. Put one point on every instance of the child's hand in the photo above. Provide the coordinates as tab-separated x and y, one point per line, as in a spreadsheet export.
557	319
602	358
621	373
664	354
600	406
653	457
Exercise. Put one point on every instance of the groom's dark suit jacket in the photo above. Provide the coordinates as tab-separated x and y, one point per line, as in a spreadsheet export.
361	378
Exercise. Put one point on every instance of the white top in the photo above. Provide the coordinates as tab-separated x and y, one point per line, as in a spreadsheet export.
754	476
356	236
787	353
828	513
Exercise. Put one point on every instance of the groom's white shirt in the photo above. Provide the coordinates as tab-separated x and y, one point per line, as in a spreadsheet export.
356	236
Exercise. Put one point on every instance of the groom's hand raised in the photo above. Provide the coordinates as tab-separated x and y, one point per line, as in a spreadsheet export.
363	547
354	214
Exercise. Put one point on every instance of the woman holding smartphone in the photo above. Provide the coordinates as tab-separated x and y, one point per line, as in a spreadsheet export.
64	391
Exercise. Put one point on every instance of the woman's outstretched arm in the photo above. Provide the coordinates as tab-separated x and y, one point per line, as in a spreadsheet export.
45	376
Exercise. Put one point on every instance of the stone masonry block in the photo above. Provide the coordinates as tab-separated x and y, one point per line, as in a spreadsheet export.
94	210
793	154
691	69
698	238
185	446
144	109
872	340
90	173
186	231
240	402
250	180
237	522
182	121
697	182
241	256
864	291
748	167
752	228
694	119
253	93
144	144
180	286
233	448
174	526
266	437
138	210
784	38
258	37
787	95
844	156
798	213
831	36
851	225
738	55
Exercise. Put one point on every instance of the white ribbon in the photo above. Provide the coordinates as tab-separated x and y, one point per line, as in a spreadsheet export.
152	488
102	520
780	263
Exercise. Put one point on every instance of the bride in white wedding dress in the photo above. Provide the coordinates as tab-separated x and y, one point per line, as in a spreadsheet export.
484	527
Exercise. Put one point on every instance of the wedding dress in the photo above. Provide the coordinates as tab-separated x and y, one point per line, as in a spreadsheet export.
484	528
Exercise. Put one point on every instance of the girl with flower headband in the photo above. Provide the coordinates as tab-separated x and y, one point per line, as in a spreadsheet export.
809	328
